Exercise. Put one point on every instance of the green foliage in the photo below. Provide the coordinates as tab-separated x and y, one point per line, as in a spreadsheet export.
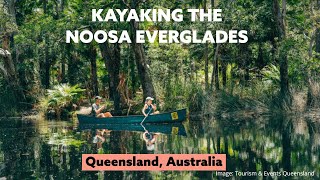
271	74
7	26
61	97
195	96
178	71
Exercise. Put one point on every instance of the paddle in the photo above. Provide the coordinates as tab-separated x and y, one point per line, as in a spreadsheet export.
144	128
146	116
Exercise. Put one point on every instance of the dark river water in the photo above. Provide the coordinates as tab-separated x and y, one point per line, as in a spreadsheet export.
42	149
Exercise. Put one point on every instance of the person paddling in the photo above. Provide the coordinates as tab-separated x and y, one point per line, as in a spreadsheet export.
149	108
97	110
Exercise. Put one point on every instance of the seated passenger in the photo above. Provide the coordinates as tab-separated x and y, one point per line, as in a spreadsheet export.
97	110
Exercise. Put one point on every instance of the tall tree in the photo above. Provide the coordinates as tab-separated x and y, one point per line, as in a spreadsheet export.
313	96
280	16
215	62
111	55
72	64
140	57
90	52
206	53
8	28
47	64
215	72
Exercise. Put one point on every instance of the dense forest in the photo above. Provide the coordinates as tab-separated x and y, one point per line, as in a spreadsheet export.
278	69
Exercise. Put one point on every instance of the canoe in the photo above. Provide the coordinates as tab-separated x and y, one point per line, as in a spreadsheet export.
169	117
172	128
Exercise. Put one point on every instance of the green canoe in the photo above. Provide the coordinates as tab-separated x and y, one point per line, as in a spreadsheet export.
169	117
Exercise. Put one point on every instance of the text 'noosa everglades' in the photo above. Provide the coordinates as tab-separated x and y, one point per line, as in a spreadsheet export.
153	16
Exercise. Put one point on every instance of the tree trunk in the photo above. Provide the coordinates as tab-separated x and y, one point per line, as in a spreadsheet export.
9	69
318	43
281	33
111	55
10	74
212	4
224	73
206	66
143	71
132	72
93	67
313	96
284	78
71	65
215	73
247	66
63	69
260	63
141	62
44	6
47	65
215	63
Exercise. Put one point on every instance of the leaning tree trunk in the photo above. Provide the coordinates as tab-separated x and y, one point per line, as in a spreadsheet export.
140	58
144	75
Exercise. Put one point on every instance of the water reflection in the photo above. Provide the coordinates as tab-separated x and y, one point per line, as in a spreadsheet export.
150	138
100	138
175	128
52	150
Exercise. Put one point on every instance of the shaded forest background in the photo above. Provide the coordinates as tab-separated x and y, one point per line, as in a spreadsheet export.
277	69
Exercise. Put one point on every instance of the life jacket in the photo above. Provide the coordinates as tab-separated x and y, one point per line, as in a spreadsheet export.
149	110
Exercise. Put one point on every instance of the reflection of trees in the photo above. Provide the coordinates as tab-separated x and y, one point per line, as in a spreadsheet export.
280	143
270	144
27	153
122	143
16	146
116	147
314	130
286	129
